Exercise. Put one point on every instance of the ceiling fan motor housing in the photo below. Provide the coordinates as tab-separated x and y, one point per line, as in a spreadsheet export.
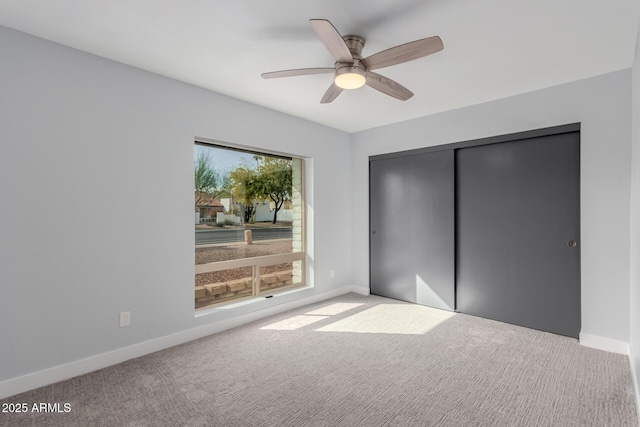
355	45
351	76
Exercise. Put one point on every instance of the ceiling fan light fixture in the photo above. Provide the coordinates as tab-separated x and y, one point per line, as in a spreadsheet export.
350	77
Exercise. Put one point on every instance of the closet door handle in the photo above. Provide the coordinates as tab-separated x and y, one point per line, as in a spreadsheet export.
572	243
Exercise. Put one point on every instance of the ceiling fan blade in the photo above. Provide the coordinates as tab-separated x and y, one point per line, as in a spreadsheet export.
332	39
403	53
331	94
297	72
388	86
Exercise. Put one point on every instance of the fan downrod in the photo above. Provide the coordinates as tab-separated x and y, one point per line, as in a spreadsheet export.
355	45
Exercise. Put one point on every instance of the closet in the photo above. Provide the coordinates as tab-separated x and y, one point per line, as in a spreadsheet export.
487	227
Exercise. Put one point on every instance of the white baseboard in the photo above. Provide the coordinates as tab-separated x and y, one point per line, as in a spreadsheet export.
606	344
359	290
48	376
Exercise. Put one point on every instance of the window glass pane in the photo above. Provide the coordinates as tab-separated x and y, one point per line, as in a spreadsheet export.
247	205
244	199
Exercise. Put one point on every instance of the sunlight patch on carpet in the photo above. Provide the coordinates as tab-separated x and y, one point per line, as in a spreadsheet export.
410	319
337	308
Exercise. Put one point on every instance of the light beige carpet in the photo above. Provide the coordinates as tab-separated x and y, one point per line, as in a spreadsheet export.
353	361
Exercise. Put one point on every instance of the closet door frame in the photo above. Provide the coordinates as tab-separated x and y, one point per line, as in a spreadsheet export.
554	130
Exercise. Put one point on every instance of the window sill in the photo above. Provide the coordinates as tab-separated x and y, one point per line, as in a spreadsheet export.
204	311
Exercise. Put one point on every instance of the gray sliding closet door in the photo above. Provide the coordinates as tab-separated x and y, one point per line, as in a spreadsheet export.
518	211
412	228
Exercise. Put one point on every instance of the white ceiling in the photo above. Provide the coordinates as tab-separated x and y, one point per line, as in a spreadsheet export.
492	48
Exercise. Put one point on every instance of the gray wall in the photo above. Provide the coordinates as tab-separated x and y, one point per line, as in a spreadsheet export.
635	224
96	181
602	104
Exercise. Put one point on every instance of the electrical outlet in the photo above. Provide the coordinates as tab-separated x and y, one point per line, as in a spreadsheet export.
332	273
125	318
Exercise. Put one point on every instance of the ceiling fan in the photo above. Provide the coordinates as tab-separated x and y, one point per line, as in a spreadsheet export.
352	71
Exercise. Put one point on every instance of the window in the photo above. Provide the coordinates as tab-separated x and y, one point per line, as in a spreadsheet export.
249	224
